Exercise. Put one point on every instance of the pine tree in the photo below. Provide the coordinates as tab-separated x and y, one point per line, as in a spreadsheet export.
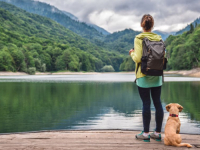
196	24
191	28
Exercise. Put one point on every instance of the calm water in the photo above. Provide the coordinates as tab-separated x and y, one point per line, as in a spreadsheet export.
81	102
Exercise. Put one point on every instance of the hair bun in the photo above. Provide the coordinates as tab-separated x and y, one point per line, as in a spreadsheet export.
147	22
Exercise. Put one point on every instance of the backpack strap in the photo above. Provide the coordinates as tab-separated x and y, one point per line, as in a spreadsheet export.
164	60
146	46
146	40
163	78
163	43
137	71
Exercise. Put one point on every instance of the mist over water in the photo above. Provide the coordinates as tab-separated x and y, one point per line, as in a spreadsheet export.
83	102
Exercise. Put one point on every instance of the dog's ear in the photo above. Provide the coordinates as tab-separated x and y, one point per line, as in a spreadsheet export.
180	108
168	107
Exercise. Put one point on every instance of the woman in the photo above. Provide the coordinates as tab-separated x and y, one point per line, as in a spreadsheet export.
148	85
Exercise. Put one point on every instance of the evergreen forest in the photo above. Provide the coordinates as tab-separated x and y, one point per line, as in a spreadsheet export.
31	41
42	38
183	51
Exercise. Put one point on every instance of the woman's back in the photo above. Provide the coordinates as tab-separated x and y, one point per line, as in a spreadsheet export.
143	80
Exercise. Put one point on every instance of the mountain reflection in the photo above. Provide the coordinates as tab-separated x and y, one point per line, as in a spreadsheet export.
86	105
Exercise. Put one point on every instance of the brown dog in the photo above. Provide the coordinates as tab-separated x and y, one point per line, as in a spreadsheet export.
172	128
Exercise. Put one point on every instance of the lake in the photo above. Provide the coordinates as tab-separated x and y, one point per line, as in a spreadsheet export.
84	102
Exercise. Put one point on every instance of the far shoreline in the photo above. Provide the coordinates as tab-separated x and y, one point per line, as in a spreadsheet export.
190	73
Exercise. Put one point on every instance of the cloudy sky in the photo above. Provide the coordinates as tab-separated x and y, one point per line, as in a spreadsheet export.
116	15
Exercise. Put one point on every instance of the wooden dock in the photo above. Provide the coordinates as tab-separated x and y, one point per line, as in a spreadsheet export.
87	140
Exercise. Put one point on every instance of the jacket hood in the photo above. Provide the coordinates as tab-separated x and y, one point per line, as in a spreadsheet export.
150	35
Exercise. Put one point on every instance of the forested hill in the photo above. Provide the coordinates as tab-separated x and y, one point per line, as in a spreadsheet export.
121	41
46	10
183	51
187	28
29	40
164	35
101	30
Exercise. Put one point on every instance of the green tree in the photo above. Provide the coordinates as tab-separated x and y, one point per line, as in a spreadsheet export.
46	59
60	64
108	68
31	70
43	68
196	24
5	61
183	51
191	28
38	64
127	65
17	57
74	63
85	61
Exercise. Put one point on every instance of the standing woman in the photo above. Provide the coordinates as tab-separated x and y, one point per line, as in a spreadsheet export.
148	85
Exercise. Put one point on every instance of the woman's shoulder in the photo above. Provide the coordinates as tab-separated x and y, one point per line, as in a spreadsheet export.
149	35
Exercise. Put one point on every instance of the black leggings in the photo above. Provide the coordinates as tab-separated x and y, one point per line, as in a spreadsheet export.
146	111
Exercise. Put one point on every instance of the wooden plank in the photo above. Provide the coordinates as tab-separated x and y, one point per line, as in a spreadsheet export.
86	140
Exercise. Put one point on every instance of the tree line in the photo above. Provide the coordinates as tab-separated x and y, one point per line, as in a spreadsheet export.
183	51
30	41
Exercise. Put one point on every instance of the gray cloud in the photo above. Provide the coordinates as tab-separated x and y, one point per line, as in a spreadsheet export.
169	15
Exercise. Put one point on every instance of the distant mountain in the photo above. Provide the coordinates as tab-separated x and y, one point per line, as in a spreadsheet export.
70	15
187	28
121	41
101	30
64	18
164	35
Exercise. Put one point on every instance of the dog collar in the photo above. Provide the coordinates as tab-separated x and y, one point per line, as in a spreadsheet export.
173	115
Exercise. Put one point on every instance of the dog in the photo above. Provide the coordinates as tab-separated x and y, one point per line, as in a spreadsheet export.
172	128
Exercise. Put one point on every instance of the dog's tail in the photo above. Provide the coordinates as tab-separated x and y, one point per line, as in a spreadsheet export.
183	144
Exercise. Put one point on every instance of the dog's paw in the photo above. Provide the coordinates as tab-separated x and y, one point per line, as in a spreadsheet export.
189	146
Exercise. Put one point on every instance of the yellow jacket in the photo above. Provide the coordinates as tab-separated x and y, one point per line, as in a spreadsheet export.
137	54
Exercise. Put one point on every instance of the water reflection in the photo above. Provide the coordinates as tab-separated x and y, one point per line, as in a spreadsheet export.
30	106
186	94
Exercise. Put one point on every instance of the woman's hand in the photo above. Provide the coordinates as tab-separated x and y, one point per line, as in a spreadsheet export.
132	50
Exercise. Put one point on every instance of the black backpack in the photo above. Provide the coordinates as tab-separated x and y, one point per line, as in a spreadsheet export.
153	60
